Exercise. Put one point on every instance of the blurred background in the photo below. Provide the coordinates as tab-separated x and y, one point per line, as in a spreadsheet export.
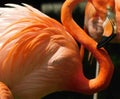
52	8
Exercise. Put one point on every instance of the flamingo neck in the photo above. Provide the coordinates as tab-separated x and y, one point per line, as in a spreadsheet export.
101	5
106	67
70	24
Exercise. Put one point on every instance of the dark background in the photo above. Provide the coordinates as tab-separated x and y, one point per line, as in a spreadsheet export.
113	91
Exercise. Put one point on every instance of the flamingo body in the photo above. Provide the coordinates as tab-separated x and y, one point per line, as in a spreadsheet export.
37	55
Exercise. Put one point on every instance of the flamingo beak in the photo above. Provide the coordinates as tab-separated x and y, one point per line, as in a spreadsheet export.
110	29
105	39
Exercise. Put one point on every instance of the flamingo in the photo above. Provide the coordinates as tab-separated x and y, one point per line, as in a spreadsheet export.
103	26
80	35
38	55
102	22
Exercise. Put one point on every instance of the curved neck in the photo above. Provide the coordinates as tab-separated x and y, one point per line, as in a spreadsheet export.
101	6
106	67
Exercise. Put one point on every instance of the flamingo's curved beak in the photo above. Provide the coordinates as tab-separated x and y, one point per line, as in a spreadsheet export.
110	29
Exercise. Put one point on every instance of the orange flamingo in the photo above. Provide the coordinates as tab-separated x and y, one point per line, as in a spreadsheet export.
100	24
93	85
38	56
97	22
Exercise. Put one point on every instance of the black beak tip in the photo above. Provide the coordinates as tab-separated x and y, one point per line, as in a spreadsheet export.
105	40
99	45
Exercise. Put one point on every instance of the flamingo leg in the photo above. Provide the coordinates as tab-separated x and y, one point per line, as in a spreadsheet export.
95	95
5	92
